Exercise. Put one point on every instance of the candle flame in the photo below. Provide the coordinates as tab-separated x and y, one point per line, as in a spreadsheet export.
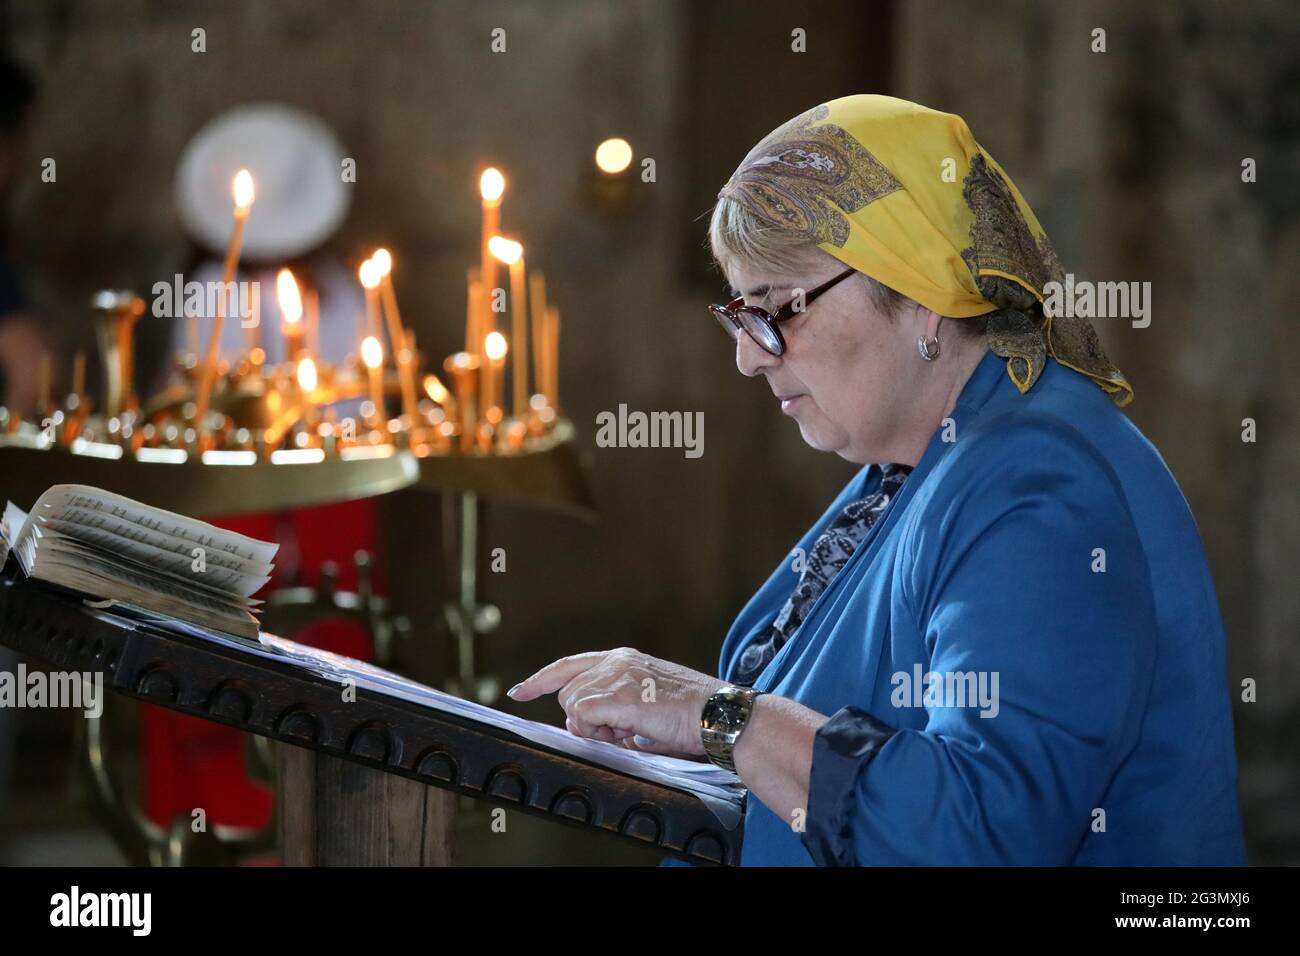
307	375
372	352
286	292
507	250
383	262
491	185
614	155
435	389
495	346
370	274
243	189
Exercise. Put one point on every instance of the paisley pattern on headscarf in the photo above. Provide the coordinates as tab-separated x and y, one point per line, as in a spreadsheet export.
1002	245
905	195
829	553
802	176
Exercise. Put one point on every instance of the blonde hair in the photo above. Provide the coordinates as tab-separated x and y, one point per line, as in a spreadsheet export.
738	235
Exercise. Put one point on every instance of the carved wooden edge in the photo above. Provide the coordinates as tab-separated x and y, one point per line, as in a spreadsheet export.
279	701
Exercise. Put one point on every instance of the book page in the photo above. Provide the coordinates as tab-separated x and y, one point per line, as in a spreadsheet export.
127	537
128	513
103	579
149	556
11	522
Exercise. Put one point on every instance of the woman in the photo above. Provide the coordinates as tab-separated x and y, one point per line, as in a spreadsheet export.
1003	647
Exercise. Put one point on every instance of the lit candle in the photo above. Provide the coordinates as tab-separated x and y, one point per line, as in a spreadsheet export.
512	253
495	348
463	368
307	378
436	391
384	266
369	273
242	187
537	311
286	290
372	354
406	372
492	186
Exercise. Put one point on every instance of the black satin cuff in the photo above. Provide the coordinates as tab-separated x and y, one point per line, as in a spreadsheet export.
842	749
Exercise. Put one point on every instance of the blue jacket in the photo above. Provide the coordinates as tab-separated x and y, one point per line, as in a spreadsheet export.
1042	553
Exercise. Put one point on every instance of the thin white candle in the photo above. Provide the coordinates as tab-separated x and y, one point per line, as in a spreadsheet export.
287	294
512	253
243	191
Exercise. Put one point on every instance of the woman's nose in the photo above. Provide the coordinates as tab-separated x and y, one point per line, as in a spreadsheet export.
751	358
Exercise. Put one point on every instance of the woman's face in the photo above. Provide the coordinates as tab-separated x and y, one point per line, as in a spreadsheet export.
849	376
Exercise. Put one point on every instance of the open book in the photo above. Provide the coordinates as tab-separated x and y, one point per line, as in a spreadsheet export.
119	550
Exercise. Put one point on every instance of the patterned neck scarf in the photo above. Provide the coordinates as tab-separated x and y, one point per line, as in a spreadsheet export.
827	556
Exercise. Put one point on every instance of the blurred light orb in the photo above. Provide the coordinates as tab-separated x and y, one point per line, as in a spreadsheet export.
614	155
307	375
506	250
242	189
369	274
491	184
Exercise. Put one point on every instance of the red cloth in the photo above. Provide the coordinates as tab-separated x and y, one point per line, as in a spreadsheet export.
188	762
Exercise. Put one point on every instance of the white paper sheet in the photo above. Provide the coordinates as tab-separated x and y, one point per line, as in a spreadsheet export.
131	520
719	789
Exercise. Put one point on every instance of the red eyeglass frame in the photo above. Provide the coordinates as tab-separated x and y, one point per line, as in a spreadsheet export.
732	316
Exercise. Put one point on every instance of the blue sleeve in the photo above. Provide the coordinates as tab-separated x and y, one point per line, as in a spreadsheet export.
1002	575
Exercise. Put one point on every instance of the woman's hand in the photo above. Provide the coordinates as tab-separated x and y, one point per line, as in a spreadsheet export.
624	696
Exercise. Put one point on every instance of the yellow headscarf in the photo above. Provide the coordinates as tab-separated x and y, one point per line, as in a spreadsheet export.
906	196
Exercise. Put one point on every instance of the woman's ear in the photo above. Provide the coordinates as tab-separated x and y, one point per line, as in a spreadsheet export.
923	321
932	320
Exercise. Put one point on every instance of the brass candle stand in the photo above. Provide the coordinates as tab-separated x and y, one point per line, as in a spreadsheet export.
271	440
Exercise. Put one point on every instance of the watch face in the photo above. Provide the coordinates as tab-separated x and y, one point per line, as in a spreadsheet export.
725	714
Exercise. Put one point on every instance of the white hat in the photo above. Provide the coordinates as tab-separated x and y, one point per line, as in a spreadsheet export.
295	159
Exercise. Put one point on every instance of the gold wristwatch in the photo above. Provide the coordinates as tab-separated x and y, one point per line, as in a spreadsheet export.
725	715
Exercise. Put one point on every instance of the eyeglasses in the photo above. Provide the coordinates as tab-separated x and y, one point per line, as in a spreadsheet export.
761	324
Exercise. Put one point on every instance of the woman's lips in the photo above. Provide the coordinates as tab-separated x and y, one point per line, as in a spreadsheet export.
786	403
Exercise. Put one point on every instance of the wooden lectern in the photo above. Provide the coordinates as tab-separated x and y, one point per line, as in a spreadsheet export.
367	782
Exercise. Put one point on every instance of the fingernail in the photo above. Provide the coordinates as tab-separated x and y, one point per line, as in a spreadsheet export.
511	692
642	741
